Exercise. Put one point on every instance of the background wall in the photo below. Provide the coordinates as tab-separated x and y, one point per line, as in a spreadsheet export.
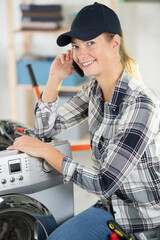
140	23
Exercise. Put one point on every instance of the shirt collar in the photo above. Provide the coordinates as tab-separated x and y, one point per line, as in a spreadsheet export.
120	89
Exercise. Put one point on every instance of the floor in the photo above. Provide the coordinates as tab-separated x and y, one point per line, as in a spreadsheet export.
82	198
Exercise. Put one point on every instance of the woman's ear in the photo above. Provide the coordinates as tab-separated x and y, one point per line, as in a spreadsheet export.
116	42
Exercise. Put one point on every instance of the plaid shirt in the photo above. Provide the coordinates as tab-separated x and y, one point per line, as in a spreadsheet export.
125	143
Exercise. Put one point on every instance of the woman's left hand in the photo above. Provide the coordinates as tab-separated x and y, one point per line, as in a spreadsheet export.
37	148
29	145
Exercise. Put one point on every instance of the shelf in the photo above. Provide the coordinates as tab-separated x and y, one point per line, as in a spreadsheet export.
63	88
13	85
30	32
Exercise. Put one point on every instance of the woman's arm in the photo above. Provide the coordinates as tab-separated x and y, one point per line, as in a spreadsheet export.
138	127
50	121
60	69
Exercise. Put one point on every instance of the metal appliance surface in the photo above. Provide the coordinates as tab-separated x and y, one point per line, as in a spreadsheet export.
23	174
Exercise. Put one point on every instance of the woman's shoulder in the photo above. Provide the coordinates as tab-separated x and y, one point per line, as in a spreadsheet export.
139	91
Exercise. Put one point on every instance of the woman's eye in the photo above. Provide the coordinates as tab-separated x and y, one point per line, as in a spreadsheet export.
74	46
90	43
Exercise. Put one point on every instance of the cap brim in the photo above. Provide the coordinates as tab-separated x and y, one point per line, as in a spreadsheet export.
65	38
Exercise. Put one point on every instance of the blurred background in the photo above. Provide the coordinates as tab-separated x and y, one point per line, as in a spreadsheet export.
140	22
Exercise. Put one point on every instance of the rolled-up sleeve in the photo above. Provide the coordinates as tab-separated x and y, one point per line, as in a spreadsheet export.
45	115
50	121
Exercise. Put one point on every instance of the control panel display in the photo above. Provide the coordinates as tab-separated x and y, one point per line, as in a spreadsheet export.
15	166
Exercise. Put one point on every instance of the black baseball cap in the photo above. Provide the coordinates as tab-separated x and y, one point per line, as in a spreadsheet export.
90	22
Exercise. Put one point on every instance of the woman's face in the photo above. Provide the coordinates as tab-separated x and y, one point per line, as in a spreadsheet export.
94	57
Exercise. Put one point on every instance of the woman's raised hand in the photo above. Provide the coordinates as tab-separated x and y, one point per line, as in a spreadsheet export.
61	67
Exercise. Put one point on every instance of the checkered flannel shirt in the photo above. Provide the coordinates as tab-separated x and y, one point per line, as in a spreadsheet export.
125	143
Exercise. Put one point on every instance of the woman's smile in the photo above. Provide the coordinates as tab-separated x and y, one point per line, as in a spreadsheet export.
87	63
92	56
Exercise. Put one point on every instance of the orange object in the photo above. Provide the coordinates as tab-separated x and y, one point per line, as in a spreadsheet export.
36	92
33	81
81	147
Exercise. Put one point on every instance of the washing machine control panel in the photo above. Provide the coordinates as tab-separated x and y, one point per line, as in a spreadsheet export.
20	172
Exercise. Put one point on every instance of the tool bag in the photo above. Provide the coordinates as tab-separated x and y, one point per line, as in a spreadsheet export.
152	234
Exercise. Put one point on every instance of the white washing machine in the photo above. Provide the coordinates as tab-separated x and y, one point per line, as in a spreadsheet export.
33	197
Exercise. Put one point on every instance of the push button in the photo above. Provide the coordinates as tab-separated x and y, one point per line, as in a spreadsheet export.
3	181
20	178
12	179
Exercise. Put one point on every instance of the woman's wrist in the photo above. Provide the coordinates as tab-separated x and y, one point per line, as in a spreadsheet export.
52	156
51	90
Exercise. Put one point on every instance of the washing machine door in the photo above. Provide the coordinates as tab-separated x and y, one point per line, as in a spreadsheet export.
24	218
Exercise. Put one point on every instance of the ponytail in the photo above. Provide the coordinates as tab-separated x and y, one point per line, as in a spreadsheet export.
127	62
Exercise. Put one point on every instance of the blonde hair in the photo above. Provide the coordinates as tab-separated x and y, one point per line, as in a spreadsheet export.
127	62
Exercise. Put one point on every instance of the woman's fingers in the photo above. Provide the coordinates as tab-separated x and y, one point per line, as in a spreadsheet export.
10	148
69	55
14	146
27	144
61	67
62	58
65	56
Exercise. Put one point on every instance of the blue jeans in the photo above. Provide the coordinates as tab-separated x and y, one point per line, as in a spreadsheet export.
88	225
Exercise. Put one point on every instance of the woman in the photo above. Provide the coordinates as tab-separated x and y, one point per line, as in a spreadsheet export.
124	120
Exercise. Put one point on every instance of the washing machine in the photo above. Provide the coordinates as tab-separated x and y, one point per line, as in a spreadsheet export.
33	198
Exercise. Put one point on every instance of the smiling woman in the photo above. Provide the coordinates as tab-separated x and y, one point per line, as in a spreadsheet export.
96	57
124	126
